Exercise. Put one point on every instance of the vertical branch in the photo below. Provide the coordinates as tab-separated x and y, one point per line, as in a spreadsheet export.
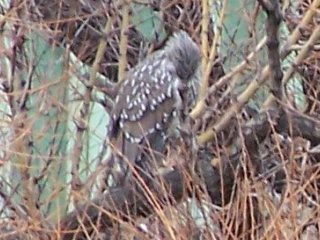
207	61
81	121
100	52
123	39
215	44
204	32
274	18
205	58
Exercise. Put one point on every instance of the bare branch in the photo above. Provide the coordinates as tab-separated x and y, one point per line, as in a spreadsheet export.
272	28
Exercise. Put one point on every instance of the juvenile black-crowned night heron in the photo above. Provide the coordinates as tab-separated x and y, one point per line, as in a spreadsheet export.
152	102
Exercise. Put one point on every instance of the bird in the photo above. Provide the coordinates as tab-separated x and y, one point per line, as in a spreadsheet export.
152	102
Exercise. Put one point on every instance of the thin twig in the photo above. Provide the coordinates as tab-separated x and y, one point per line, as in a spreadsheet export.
237	69
306	48
123	40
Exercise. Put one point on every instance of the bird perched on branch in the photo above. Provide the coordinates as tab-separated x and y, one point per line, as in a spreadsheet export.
151	104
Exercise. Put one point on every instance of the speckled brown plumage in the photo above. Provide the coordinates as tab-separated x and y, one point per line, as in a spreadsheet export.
154	97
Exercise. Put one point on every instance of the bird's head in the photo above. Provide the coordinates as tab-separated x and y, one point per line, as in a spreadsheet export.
184	53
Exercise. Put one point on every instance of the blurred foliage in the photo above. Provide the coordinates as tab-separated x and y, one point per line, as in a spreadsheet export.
148	22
